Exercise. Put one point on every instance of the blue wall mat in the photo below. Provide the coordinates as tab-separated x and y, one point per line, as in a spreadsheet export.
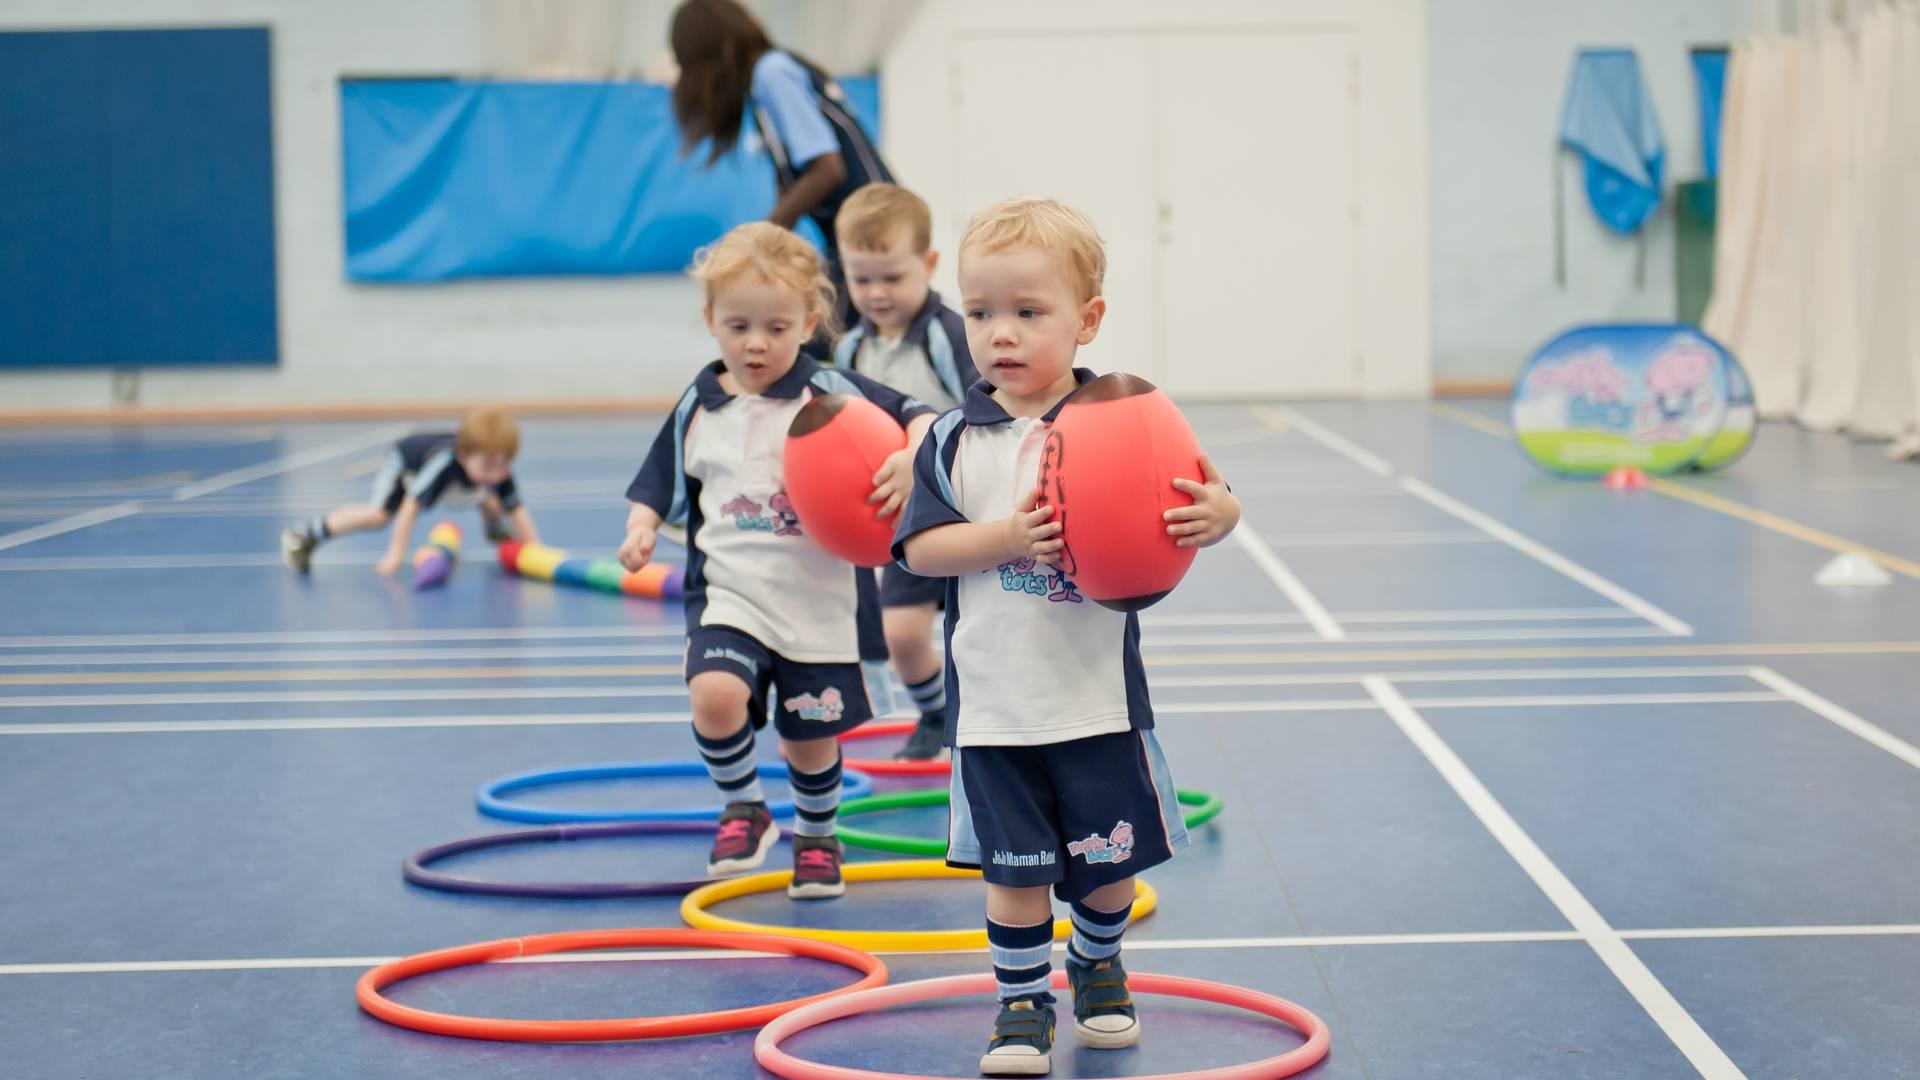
136	198
447	179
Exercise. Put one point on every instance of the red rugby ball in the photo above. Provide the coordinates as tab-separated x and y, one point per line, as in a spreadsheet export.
1108	471
834	446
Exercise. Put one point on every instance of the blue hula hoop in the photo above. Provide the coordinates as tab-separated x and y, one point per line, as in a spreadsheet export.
492	802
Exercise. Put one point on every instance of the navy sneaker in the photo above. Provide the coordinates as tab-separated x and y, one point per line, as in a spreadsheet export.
1022	1038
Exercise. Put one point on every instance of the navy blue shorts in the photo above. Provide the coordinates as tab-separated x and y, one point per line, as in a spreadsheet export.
815	700
900	587
1074	815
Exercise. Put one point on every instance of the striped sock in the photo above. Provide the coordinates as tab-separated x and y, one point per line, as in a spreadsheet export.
317	529
930	697
731	763
816	799
1096	934
1022	957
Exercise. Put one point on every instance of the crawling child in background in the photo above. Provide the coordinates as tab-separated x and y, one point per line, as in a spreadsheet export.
468	467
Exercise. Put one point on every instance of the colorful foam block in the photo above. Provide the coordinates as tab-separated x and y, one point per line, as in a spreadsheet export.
436	558
655	581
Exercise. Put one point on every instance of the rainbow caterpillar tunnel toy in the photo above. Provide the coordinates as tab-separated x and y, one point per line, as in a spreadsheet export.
655	581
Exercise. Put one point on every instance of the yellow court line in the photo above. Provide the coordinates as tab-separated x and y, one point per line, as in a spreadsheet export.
1483	424
1720	504
110	678
1596	652
1376	656
1786	527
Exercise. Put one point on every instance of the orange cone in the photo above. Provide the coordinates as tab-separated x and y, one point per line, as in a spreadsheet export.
1626	478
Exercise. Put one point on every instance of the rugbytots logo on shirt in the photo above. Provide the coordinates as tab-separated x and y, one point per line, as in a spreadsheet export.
1117	848
749	516
1027	576
826	708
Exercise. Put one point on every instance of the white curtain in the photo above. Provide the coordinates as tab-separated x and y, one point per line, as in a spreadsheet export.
1817	259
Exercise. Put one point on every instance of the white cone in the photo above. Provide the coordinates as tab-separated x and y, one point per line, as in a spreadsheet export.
1852	569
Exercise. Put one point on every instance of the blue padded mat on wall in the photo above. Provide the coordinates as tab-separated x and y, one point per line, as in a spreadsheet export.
136	198
447	179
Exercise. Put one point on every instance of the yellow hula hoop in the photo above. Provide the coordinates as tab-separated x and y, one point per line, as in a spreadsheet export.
693	908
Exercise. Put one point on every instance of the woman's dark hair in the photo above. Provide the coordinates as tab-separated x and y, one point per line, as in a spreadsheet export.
716	43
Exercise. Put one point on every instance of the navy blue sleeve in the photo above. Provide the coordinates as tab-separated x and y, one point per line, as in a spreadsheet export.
508	493
901	407
659	480
932	504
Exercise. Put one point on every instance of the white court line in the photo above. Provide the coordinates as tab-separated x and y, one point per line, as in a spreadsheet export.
1138	944
347	656
337	697
1451	675
1295	590
1706	932
676	629
68	524
191	491
1187	708
254	559
1464	615
402	655
352	444
1560	701
340	637
1377	539
1613	951
1523	544
1845	720
348	723
1516	633
1552	559
117	563
1332	440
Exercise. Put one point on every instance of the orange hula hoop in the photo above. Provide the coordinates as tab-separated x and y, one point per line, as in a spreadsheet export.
367	990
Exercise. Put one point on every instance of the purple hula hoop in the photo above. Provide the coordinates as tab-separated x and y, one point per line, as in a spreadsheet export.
416	865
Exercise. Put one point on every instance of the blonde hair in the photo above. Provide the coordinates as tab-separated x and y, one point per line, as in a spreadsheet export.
487	431
872	216
762	252
1030	221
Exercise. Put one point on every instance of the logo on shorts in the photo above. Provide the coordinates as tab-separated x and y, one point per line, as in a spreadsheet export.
1014	858
1116	848
826	708
718	652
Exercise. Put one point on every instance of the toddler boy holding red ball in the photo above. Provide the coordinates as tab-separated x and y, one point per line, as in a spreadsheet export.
1058	783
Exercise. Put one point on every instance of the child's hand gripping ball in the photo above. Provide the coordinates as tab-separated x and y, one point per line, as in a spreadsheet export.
835	447
1108	471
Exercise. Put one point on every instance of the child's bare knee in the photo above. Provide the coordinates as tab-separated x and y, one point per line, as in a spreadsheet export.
718	699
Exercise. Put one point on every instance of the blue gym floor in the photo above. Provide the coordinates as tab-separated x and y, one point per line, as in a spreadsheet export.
1524	777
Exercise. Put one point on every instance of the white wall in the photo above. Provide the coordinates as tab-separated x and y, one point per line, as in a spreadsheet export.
918	81
1497	74
341	342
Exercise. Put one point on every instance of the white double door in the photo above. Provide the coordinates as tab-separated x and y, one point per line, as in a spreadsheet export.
1219	168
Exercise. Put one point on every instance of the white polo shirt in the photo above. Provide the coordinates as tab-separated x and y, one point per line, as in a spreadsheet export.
929	362
719	466
1030	661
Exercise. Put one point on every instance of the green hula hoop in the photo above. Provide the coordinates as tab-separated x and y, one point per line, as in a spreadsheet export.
1201	807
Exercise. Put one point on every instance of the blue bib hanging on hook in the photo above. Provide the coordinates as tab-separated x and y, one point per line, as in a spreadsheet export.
1608	118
